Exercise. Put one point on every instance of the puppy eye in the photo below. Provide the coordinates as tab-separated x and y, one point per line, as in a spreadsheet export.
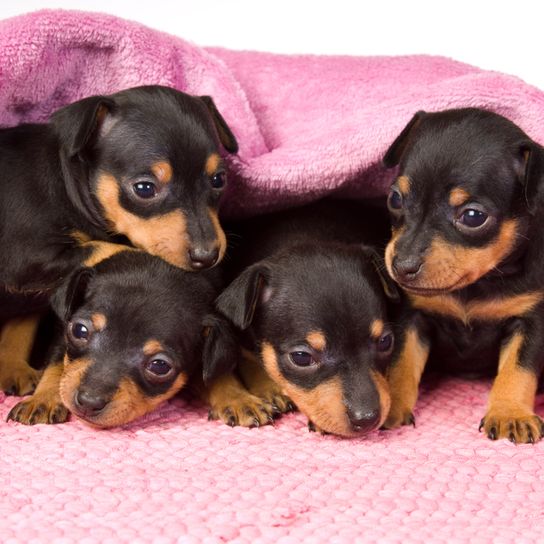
218	180
302	358
159	369
473	218
384	344
79	332
144	189
394	201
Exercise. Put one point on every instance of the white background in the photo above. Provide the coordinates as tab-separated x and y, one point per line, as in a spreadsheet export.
499	35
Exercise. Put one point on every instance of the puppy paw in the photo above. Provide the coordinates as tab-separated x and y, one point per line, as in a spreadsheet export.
273	395
398	418
518	426
39	409
246	410
313	428
18	378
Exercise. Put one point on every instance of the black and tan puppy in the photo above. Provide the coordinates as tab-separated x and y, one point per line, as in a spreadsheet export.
308	304
142	164
467	246
132	335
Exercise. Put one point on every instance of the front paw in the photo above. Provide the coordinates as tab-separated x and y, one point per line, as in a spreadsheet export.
519	426
39	409
273	395
399	417
246	411
18	378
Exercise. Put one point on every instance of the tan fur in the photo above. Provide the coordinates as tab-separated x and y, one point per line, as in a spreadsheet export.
99	321
404	377
450	267
164	236
323	405
127	404
162	170
259	383
102	251
511	401
496	309
219	233
458	196
376	328
385	395
212	163
317	340
152	347
390	249
16	341
403	183
232	403
45	405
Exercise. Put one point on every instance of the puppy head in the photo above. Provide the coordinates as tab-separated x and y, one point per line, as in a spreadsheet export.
468	183
145	163
318	317
133	332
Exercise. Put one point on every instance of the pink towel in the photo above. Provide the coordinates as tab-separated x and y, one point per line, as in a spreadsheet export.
307	125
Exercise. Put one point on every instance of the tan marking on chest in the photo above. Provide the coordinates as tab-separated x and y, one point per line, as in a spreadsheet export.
496	309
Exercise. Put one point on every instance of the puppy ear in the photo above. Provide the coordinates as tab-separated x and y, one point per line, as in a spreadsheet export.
79	124
389	286
71	293
221	352
240	299
532	172
394	153
226	136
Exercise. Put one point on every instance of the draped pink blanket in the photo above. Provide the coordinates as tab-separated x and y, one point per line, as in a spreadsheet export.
307	126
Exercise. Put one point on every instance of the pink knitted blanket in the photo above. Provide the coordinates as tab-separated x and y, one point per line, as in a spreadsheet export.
306	126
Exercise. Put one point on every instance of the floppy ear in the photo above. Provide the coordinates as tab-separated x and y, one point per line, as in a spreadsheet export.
394	153
221	352
239	300
78	125
533	172
71	293
226	136
389	286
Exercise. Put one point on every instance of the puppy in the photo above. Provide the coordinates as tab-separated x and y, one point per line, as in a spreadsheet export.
467	245
141	166
309	304
131	337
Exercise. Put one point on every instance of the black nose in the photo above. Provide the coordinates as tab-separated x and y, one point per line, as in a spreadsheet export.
89	404
363	421
406	269
203	258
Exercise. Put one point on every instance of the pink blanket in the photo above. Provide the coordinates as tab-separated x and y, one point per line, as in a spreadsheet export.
307	126
176	477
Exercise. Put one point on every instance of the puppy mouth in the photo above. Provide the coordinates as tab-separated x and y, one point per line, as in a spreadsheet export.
432	291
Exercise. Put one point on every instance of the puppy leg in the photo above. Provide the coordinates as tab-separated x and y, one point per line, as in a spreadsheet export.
404	377
260	384
17	377
510	411
45	405
231	402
